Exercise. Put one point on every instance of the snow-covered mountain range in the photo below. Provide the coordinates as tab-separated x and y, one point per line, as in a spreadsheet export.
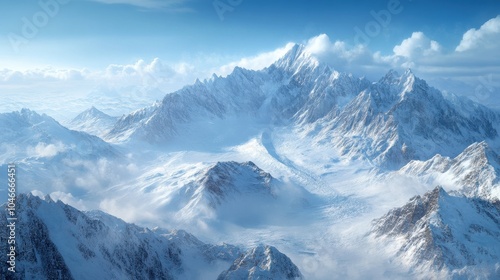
49	156
456	235
27	134
296	155
474	172
392	121
56	241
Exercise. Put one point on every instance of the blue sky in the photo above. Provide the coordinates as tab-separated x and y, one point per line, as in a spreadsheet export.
86	33
181	40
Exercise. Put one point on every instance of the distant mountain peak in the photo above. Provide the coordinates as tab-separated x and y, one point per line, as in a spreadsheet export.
391	76
92	112
93	121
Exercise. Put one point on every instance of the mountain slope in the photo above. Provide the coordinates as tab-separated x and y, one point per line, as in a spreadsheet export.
55	241
401	118
28	134
51	157
93	121
295	87
215	193
262	262
390	122
437	231
475	171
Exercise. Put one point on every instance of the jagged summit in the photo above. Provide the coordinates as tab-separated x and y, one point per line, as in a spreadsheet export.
480	153
298	60
25	117
444	232
403	83
262	262
390	122
226	178
474	171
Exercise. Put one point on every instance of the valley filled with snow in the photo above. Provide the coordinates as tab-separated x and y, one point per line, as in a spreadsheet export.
302	170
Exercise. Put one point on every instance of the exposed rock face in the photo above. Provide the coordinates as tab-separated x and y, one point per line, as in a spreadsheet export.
56	241
444	232
262	262
475	171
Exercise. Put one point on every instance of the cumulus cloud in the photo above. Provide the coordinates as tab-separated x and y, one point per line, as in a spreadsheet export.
486	37
416	46
341	56
322	46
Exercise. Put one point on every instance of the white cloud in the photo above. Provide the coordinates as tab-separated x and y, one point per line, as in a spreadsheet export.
46	150
142	82
323	47
486	37
69	199
49	74
416	46
256	62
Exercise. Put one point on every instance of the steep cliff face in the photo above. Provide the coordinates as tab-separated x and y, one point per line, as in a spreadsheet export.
262	262
443	232
474	172
56	241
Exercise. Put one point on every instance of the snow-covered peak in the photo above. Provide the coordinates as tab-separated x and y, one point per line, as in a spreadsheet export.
474	172
227	172
92	112
93	121
443	232
262	262
24	118
480	153
30	134
233	179
404	83
391	77
297	59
